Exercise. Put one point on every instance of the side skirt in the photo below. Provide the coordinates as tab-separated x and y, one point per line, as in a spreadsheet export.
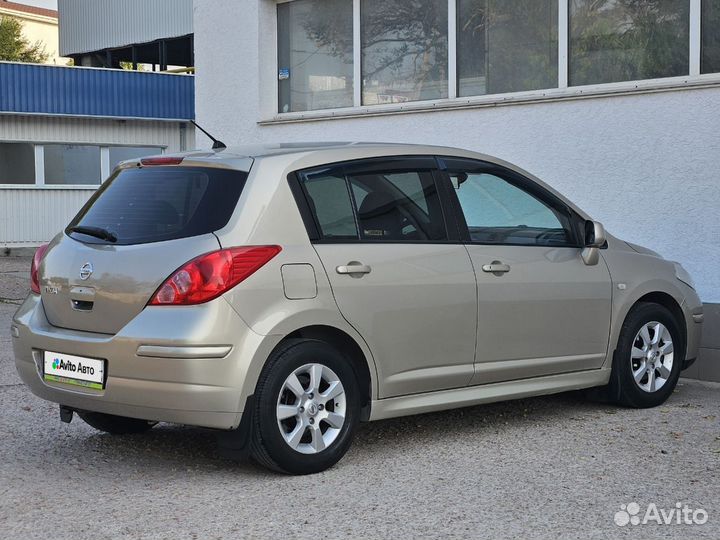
486	393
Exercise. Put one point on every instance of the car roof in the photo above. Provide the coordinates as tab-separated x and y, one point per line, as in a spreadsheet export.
242	157
288	148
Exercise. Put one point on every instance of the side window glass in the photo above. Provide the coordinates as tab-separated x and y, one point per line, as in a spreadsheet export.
398	207
358	193
393	206
498	212
331	205
411	185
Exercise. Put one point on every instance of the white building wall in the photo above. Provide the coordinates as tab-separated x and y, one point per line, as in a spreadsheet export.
30	215
646	165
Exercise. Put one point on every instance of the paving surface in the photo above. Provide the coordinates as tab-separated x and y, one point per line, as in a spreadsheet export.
552	467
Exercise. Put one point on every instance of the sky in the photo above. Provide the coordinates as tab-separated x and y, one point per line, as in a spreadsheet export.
51	4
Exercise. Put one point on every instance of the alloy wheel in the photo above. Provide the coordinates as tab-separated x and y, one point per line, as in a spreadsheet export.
311	408
651	357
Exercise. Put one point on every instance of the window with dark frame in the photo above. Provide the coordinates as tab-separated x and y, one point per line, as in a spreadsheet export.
393	206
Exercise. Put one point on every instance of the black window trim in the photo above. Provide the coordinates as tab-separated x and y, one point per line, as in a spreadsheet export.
306	214
521	182
386	164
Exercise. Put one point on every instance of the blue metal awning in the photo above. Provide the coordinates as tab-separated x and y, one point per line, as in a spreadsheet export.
56	90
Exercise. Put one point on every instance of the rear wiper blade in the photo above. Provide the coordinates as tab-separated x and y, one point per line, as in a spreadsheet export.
97	232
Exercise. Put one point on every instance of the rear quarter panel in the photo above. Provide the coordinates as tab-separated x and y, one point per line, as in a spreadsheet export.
268	215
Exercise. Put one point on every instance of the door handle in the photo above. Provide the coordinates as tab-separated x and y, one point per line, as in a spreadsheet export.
496	267
353	267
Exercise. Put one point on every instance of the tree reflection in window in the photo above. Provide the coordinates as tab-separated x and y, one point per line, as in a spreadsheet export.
404	50
626	40
506	46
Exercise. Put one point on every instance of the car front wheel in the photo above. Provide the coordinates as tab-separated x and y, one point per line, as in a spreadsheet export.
648	358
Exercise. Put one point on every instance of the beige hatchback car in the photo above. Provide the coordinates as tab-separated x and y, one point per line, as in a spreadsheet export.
283	293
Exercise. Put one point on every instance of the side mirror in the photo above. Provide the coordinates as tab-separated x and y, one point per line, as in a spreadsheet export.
457	179
594	234
594	239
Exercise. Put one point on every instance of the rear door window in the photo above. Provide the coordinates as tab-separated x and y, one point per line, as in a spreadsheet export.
398	207
331	205
373	204
161	203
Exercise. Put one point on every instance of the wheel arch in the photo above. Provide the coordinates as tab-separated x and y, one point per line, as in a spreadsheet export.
613	391
668	302
349	347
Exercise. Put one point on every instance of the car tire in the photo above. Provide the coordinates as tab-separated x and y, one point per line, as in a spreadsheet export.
298	428
648	358
115	425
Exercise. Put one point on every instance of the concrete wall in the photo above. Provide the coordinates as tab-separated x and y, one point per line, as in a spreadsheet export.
645	164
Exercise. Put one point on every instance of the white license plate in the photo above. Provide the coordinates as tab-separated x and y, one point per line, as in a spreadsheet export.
76	370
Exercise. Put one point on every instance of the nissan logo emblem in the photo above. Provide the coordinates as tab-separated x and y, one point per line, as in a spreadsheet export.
86	271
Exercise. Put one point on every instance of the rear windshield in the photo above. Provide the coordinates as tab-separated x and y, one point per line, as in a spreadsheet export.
139	206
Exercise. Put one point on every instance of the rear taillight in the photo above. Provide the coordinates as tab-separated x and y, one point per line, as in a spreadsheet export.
37	259
212	274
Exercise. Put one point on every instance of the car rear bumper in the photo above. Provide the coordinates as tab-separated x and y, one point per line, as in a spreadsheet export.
187	365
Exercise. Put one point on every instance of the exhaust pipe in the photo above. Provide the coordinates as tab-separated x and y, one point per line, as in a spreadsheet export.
66	414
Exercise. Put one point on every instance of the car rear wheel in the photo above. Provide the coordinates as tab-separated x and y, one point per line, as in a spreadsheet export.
648	358
116	425
307	408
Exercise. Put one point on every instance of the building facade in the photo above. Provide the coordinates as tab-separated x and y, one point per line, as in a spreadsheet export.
63	130
39	25
615	103
104	33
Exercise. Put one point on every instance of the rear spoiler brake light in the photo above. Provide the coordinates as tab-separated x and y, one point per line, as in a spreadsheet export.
161	161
